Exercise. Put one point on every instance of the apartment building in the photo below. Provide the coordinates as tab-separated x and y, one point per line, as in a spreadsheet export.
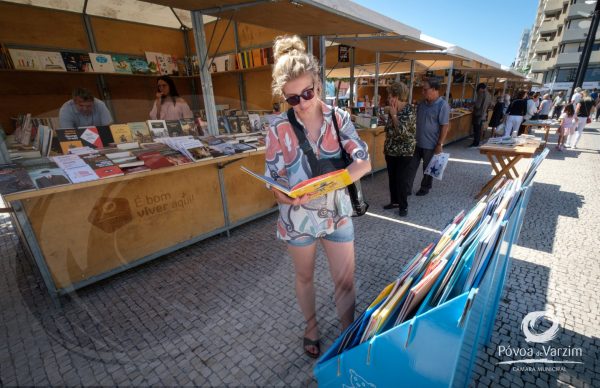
557	40
521	60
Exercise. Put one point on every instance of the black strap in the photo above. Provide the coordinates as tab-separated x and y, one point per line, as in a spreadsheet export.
347	159
304	143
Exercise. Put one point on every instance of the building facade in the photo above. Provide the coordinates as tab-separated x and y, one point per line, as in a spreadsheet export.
557	40
521	60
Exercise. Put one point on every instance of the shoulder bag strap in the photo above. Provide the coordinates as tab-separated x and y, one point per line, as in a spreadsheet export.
304	143
347	159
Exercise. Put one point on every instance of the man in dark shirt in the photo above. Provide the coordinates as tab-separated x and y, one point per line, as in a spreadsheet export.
482	104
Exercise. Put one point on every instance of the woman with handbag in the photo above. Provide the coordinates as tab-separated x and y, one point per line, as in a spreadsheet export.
399	146
304	221
583	111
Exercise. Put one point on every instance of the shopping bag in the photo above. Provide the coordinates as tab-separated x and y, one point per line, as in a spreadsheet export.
500	129
437	165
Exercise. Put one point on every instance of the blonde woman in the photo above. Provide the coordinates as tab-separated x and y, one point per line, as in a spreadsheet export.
303	222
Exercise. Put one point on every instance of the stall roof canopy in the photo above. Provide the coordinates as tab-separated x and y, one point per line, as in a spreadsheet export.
305	17
385	43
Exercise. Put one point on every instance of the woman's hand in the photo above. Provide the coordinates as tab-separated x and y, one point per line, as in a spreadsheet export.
393	106
285	200
158	95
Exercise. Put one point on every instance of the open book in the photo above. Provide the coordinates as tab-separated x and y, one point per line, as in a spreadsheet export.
315	187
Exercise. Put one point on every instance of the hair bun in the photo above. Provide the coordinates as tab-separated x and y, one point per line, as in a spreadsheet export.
287	44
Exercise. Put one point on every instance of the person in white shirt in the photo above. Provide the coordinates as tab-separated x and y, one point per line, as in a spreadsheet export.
545	106
576	97
168	105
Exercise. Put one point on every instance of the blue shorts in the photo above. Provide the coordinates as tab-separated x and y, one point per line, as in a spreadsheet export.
340	235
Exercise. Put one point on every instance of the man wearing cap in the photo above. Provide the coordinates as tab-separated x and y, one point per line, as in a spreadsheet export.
482	103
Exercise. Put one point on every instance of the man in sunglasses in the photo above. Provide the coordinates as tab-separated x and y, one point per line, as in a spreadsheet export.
433	119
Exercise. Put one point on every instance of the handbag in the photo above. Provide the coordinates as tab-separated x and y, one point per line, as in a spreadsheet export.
323	166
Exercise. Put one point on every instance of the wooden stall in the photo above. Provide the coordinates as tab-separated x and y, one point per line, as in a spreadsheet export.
88	231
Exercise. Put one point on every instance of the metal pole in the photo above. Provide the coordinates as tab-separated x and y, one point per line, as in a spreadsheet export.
241	84
376	91
504	90
188	53
475	87
587	48
450	71
494	88
412	81
462	96
352	64
323	57
309	46
205	77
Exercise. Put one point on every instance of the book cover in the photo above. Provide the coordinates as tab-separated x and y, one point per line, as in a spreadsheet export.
105	134
190	127
201	152
81	174
314	187
51	61
102	63
102	166
176	157
121	133
45	173
244	123
154	160
25	59
158	128
134	170
14	178
174	128
243	147
90	137
140	132
121	64
255	124
234	124
67	162
68	138
157	63
139	65
77	62
223	125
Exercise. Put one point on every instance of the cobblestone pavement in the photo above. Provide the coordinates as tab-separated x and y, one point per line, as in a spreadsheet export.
223	311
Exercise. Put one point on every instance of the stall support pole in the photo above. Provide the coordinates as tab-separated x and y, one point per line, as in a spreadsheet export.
475	87
494	88
309	45
188	52
100	80
205	78
376	91
462	97
450	71
412	81
351	100
504	89
241	84
323	56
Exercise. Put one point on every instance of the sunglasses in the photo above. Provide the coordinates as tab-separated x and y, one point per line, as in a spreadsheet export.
307	94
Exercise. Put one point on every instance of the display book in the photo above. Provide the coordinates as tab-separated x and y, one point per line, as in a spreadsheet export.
456	263
313	187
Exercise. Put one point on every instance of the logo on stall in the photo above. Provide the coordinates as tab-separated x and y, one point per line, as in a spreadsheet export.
357	381
539	328
110	214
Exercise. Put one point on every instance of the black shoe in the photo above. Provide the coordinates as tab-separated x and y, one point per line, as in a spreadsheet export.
403	212
391	206
422	192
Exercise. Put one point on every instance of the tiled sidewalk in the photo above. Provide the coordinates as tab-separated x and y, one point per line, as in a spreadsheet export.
223	311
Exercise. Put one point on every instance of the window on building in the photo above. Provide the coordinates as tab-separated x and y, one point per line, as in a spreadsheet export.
565	8
592	74
566	75
561	48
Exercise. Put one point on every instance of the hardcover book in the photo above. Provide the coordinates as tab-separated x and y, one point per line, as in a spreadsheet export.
25	59
68	138
154	160
314	187
90	137
77	62
51	61
140	132
121	133
102	63
45	173
190	127
158	128
121	64
174	128
14	178
102	166
139	65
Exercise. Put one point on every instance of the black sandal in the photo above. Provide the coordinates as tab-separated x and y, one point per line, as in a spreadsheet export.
316	343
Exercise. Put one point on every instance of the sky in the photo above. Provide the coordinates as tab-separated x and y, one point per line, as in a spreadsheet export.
490	28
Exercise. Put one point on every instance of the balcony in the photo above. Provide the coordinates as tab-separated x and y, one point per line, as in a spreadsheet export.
544	47
541	66
549	26
575	34
552	6
572	59
580	9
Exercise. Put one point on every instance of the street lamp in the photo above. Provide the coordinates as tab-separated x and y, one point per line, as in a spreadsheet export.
587	48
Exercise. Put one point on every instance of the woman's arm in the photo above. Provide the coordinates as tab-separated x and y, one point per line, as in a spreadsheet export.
155	111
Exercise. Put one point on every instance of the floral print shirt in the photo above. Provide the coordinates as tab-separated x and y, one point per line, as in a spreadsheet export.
286	162
401	141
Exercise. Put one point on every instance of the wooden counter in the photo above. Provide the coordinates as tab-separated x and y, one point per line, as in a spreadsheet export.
460	127
82	233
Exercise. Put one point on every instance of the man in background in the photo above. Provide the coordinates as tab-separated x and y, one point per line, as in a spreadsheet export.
482	104
433	121
83	110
